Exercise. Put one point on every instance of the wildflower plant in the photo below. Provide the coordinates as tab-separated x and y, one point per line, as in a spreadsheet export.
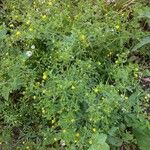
66	81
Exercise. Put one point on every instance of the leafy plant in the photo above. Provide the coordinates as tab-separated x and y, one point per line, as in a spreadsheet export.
65	78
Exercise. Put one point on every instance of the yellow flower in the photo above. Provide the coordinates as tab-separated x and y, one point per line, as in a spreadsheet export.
116	61
146	97
122	95
44	76
50	3
11	25
53	121
110	53
43	110
18	33
90	142
126	97
89	66
28	22
82	37
34	97
94	129
44	91
99	63
72	120
96	90
135	75
30	29
55	139
75	141
64	131
72	87
44	17
117	26
77	134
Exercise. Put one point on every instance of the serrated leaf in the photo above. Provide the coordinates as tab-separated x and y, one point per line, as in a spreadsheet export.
143	138
5	92
99	138
115	141
104	146
145	15
2	32
99	142
143	42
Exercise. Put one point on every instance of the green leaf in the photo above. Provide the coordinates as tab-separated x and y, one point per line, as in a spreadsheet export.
143	138
2	32
143	42
145	15
99	147
99	142
115	141
5	92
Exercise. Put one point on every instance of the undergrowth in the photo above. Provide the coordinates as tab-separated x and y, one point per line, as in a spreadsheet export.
66	79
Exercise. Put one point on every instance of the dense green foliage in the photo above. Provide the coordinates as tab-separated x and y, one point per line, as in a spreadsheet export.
66	81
